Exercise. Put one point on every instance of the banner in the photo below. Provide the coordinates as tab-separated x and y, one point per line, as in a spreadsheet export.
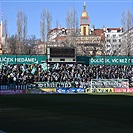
35	91
88	90
53	84
10	92
48	89
130	90
109	83
70	90
76	90
62	90
14	87
110	60
22	59
109	90
120	89
105	60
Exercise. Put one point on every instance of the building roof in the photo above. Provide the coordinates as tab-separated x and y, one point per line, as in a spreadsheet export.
59	38
114	28
55	29
98	32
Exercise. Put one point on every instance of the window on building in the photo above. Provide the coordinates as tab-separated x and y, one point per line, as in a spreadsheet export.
114	36
108	40
119	40
114	40
108	35
108	51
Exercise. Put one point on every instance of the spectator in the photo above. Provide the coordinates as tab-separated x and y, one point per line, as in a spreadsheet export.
79	74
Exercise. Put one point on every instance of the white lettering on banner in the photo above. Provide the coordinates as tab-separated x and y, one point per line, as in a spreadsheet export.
5	59
116	83
107	61
80	90
62	91
97	60
53	85
131	60
25	59
115	60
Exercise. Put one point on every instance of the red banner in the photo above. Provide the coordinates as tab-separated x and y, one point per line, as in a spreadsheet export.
130	90
120	89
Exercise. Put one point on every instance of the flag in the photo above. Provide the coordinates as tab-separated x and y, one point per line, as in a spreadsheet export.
33	70
23	68
44	66
1	66
56	65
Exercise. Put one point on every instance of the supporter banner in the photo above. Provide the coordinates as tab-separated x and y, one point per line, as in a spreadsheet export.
22	59
70	90
104	90
53	84
62	90
109	83
31	86
120	89
48	89
110	60
10	92
88	90
61	84
130	90
35	91
14	87
76	90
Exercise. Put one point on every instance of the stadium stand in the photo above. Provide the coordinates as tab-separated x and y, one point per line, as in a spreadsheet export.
79	74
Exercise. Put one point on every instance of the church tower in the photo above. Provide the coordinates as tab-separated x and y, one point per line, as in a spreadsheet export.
84	22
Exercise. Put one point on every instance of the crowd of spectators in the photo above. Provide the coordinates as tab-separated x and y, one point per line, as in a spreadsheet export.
79	74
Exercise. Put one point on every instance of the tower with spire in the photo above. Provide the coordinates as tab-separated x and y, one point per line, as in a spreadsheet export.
84	22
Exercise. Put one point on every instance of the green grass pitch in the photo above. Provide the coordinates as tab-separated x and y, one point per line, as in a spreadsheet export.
61	113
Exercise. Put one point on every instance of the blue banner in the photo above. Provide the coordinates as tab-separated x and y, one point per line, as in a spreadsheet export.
70	90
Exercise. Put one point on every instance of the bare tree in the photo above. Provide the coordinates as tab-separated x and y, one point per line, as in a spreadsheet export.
31	43
123	20
5	32
13	48
45	24
24	27
129	20
21	30
57	32
48	20
57	23
19	24
4	27
127	24
72	26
